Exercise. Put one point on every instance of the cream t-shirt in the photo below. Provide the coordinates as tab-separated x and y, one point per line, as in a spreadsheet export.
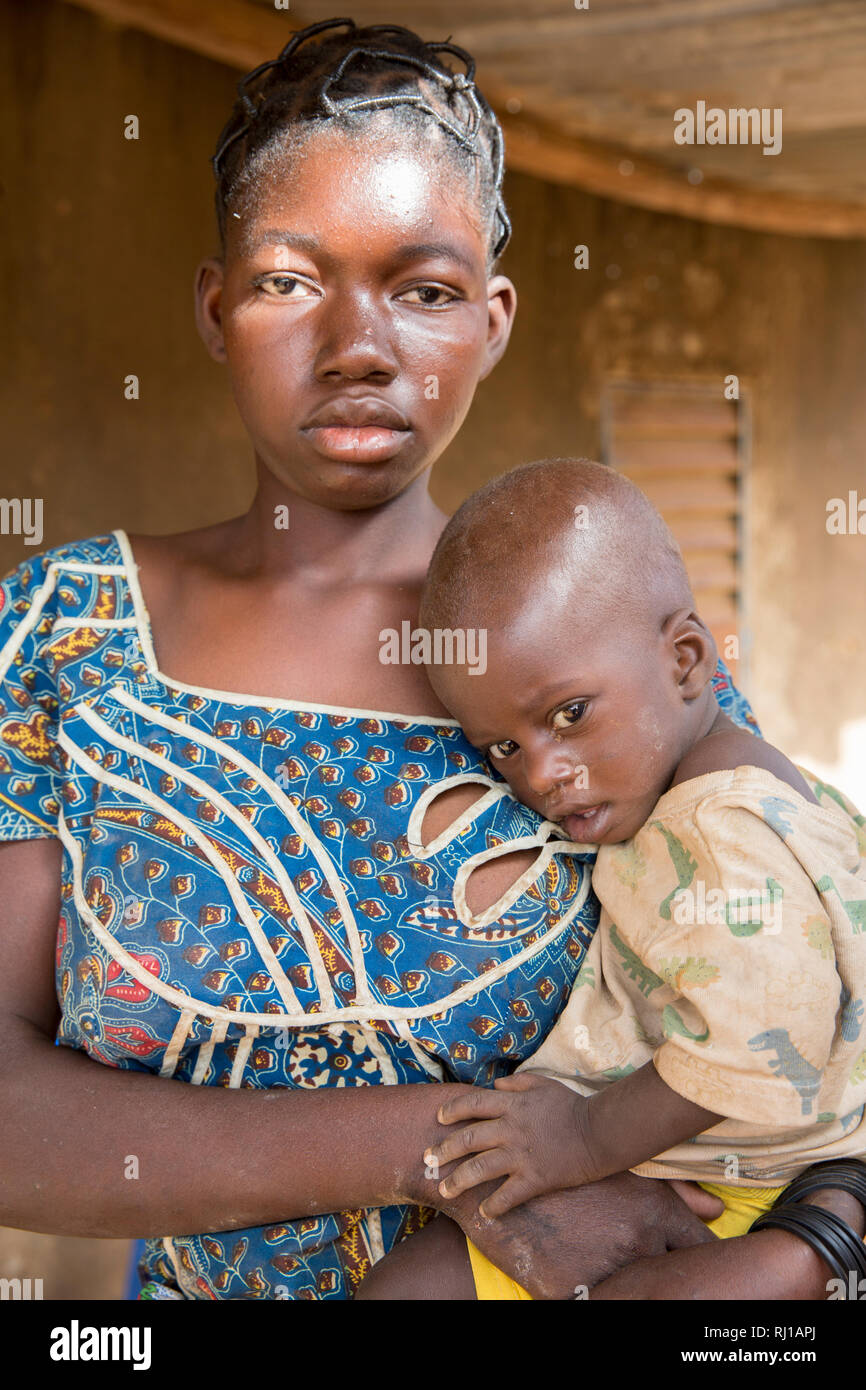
731	950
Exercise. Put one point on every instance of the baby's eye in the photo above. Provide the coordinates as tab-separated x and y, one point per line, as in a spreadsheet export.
429	296
503	749
569	714
279	286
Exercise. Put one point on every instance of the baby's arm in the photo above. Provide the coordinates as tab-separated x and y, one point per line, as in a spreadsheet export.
542	1136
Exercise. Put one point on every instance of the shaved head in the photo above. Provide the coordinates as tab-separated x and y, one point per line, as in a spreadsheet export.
598	670
580	530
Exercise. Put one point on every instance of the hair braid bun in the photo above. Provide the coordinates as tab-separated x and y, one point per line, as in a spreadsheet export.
334	71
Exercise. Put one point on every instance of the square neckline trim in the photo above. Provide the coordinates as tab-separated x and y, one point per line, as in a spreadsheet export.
144	631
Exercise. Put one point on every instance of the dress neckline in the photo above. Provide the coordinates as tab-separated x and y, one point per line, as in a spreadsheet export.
144	631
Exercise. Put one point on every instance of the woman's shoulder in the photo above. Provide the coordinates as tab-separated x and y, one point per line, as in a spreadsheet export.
42	601
94	552
209	547
64	578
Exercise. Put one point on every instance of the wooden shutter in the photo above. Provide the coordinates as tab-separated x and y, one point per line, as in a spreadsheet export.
683	446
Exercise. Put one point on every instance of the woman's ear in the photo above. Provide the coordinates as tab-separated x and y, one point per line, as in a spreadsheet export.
208	307
693	649
501	308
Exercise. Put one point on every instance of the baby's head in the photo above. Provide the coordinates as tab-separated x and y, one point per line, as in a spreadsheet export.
598	669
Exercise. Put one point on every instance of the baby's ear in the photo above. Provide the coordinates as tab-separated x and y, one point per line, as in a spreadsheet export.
693	651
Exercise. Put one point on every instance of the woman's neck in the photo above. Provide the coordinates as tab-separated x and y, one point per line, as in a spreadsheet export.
284	534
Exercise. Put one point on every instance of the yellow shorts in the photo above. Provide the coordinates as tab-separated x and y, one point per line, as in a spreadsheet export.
743	1205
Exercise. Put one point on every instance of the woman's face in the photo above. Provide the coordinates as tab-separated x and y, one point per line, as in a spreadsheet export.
355	313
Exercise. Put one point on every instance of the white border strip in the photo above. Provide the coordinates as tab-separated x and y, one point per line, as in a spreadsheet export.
206	1050
62	624
547	849
216	861
430	1064
85	567
176	1042
244	1048
496	791
248	831
373	1230
233	697
28	622
386	1066
330	872
182	1000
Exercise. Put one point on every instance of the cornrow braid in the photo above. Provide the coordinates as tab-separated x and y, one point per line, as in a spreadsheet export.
341	75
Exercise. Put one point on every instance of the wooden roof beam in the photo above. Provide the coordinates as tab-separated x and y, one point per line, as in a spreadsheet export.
242	35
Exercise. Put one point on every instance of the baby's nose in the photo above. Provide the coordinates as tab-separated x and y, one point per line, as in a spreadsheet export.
546	768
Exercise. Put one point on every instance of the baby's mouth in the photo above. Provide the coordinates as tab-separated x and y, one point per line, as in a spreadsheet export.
586	825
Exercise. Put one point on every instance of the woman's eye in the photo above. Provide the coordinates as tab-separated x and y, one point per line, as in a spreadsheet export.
429	296
284	287
503	749
570	715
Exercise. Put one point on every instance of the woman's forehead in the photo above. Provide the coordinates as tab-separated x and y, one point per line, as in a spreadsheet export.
337	183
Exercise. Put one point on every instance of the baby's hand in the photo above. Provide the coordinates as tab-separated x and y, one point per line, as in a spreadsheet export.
529	1128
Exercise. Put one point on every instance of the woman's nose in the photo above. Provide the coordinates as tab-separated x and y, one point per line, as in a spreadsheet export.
355	340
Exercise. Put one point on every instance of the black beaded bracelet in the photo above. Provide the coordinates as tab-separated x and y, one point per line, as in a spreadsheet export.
828	1235
846	1174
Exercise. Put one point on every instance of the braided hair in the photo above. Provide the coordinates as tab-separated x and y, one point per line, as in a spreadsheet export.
322	75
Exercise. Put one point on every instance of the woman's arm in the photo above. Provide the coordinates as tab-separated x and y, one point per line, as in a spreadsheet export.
208	1158
769	1265
574	1240
652	1246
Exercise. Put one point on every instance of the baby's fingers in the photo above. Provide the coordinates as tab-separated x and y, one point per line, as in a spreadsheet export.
495	1163
474	1102
467	1140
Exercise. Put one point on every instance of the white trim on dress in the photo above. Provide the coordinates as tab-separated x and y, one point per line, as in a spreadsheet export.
145	634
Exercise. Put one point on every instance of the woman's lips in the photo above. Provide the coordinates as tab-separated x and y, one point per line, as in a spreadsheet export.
357	443
587	828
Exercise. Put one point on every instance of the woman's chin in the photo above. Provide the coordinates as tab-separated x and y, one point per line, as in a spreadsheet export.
349	484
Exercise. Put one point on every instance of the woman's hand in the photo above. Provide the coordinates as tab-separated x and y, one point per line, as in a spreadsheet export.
561	1245
529	1128
770	1266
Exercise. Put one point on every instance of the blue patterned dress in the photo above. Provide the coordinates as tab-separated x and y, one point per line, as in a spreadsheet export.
245	900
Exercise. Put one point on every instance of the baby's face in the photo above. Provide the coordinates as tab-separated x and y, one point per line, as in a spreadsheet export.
586	726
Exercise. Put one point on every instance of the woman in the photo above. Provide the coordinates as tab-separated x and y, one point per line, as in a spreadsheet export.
264	879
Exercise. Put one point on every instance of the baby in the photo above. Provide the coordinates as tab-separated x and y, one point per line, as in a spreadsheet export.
715	1029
